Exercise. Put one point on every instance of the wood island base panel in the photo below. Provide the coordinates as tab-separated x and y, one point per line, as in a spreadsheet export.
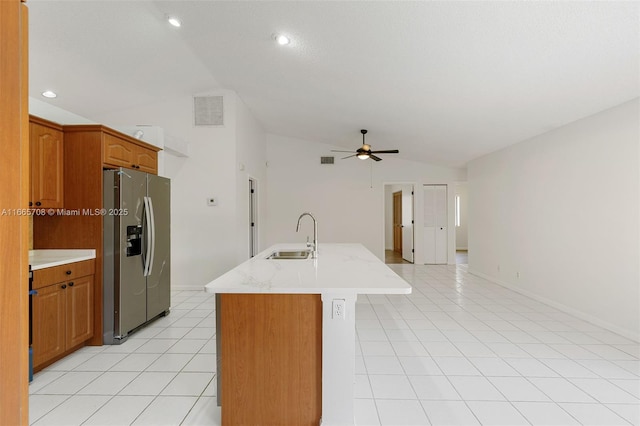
271	359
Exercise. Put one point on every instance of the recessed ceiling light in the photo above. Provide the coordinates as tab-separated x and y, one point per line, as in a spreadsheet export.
49	94
281	39
174	21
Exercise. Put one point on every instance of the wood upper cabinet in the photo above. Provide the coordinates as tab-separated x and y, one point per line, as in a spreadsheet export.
47	164
62	311
122	153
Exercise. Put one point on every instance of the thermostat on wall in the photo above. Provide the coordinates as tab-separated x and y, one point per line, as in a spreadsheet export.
212	201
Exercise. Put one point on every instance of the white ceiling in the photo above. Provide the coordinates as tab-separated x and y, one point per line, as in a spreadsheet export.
444	82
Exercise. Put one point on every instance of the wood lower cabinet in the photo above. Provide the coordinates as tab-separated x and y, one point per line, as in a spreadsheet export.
79	321
62	313
47	164
49	319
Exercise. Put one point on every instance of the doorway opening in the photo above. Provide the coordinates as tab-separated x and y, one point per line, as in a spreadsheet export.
253	222
399	246
462	241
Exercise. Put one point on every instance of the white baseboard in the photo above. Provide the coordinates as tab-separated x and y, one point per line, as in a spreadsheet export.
187	288
629	334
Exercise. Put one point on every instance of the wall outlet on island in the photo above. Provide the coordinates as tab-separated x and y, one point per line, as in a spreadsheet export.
338	309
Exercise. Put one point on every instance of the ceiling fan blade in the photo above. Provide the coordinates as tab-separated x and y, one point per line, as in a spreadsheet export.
386	151
349	156
335	150
373	157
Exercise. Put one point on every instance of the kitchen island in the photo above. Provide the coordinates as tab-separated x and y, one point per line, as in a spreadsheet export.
286	333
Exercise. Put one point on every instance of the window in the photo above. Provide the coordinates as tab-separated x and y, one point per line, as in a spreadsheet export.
457	210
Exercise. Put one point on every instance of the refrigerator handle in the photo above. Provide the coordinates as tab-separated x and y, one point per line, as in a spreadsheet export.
152	251
147	235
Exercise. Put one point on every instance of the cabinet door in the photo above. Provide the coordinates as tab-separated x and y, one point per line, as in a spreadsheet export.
79	325
117	152
146	160
46	166
49	307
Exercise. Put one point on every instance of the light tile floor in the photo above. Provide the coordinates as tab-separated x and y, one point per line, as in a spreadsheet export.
458	351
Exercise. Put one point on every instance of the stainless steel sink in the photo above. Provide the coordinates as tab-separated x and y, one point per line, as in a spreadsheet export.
291	254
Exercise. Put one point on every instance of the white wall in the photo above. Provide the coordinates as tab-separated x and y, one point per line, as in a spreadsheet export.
204	239
53	113
462	231
346	200
562	210
251	154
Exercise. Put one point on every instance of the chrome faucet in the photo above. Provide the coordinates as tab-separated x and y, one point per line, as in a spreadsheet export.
314	251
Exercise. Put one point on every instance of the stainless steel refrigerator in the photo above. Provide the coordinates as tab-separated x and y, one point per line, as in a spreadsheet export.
137	251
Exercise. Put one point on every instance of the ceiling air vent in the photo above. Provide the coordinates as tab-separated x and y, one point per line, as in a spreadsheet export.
208	110
326	160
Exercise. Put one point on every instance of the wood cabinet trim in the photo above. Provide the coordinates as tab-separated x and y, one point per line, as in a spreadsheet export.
41	121
71	128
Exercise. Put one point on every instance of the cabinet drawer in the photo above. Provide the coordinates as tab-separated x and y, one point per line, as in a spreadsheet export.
57	274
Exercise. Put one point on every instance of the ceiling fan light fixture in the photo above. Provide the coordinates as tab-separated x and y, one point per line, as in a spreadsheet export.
363	156
49	94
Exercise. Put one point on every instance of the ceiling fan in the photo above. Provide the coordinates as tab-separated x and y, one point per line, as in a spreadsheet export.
364	152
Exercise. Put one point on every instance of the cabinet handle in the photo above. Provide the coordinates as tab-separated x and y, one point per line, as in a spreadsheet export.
71	284
63	286
30	203
38	203
68	272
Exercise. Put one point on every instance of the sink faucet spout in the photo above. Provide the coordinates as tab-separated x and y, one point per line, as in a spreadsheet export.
314	251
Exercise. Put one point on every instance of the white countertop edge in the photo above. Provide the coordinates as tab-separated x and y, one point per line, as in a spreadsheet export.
324	290
48	258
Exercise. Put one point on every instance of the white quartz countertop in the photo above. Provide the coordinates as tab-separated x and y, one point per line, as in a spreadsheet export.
339	268
40	259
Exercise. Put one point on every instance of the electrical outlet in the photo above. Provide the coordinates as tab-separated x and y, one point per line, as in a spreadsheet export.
338	309
212	201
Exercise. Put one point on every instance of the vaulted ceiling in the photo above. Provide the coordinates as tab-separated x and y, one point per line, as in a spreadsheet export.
445	82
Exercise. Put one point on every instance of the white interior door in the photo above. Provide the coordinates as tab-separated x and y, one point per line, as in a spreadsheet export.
407	223
435	224
441	223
